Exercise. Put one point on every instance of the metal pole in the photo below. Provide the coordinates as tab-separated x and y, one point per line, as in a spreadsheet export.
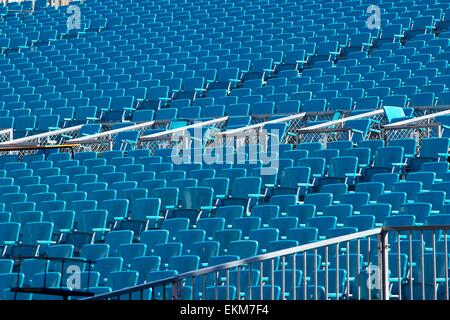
238	282
422	264
411	289
434	265
228	283
272	280
305	272
261	288
384	267
358	280
347	248
337	271
446	263
326	272
193	287
283	278
250	281
399	266
294	267
315	276
369	283
216	290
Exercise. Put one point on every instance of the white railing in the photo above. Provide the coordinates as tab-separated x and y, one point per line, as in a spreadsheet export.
259	126
416	128
342	121
418	120
104	140
254	134
180	137
47	138
335	130
6	135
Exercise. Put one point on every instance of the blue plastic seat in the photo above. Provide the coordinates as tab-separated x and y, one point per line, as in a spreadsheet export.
244	191
145	265
293	180
340	211
168	250
435	198
420	210
395	199
338	276
373	188
122	279
243	248
116	238
95	251
205	251
319	200
323	224
152	238
432	149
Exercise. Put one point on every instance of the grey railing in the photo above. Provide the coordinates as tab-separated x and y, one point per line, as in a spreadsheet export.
418	128
404	263
173	287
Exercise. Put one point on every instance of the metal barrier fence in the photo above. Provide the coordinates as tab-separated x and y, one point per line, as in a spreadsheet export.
182	137
425	110
105	140
417	128
6	135
55	137
335	130
214	132
402	263
253	134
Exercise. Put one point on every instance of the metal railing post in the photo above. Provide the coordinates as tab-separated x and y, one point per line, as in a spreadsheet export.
383	264
176	290
177	281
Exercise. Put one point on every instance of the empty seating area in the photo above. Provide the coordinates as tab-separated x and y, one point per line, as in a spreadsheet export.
131	215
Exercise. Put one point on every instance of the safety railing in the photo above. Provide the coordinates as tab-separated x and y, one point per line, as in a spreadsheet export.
424	110
22	11
65	280
418	128
335	130
322	116
272	275
182	138
55	137
419	262
401	263
254	134
6	135
106	140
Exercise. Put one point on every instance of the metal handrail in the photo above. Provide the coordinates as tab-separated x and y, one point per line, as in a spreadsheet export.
236	263
417	119
94	137
9	132
341	121
262	124
40	135
181	129
381	232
